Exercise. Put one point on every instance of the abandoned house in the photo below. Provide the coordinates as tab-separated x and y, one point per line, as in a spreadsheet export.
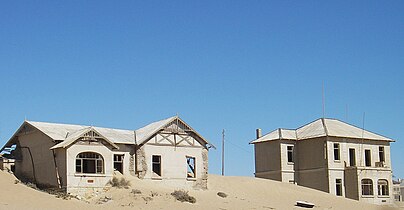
328	155
77	158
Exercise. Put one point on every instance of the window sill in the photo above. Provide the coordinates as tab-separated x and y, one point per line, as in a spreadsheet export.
191	179
291	163
156	178
367	196
337	161
383	196
89	175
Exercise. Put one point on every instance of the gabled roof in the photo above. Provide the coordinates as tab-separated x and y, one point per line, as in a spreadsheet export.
61	132
68	133
144	133
80	133
322	127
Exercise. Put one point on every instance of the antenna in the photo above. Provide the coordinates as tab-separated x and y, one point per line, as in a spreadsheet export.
363	133
323	100
223	152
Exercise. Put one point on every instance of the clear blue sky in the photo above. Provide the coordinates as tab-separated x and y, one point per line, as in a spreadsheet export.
237	65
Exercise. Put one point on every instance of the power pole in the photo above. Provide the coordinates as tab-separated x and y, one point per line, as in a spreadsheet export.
223	152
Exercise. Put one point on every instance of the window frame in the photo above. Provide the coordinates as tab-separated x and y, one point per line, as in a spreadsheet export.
352	157
289	153
188	168
154	174
118	158
337	153
99	163
368	158
369	186
338	187
383	188
382	155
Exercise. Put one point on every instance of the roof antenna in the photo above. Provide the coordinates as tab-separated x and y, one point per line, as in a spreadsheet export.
323	100
363	133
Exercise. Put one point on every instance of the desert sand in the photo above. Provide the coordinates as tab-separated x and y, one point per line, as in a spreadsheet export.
242	193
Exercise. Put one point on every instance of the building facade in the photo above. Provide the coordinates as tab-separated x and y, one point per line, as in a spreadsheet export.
398	190
328	155
79	158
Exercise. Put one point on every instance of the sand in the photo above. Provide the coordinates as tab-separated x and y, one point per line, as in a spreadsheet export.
242	193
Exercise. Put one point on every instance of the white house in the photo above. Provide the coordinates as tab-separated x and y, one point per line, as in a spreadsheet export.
328	155
77	157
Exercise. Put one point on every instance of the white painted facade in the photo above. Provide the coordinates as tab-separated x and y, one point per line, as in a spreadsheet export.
85	159
329	156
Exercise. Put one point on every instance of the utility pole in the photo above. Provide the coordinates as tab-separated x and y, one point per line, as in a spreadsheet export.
223	152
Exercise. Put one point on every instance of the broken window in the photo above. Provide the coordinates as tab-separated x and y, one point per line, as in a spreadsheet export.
156	165
118	163
368	159
290	154
383	187
367	187
381	154
191	167
338	187
336	151
89	163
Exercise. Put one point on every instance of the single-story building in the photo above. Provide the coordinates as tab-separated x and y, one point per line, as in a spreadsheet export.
77	157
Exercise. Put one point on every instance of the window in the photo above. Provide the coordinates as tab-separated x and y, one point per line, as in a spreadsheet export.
336	151
383	187
352	158
89	163
191	167
381	154
367	187
368	159
118	163
338	187
156	165
290	154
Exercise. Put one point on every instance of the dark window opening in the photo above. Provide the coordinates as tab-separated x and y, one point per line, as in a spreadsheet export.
156	165
118	163
290	154
367	187
191	167
383	187
381	154
338	187
336	151
352	158
90	163
368	160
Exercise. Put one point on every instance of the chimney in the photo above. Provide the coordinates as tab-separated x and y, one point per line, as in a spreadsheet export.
258	133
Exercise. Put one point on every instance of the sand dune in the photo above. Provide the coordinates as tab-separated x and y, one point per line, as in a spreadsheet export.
243	193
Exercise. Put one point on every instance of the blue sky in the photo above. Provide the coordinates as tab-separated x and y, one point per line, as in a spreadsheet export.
234	65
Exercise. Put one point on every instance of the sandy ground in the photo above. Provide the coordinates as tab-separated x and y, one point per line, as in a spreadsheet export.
243	193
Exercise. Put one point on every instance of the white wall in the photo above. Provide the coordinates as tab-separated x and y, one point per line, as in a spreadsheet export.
79	182
173	164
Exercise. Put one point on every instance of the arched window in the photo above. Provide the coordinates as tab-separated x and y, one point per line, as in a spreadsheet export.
89	163
367	187
383	187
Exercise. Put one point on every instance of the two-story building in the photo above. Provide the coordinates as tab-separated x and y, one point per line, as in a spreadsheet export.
328	155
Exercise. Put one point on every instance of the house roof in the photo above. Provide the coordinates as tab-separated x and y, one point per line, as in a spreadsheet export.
319	128
68	133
